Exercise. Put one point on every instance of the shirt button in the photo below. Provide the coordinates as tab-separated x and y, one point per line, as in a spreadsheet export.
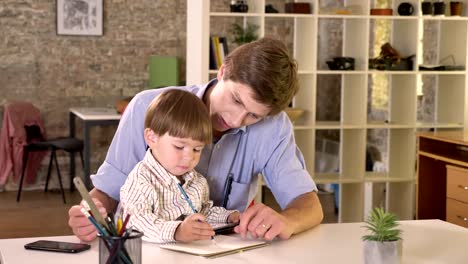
217	146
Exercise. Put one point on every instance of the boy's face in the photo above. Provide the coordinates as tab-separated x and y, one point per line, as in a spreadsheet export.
176	155
232	105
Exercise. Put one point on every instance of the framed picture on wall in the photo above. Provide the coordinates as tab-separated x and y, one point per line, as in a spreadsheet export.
80	17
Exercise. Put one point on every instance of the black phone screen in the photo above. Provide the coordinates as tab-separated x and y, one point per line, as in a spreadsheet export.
225	229
57	246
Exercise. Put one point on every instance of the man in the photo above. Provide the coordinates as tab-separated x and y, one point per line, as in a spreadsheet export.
251	136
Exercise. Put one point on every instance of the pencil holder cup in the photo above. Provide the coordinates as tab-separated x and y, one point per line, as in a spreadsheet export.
125	249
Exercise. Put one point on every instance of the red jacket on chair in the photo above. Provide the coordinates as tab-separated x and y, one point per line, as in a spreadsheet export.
13	138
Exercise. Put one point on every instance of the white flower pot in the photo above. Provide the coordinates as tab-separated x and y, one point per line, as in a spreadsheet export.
382	252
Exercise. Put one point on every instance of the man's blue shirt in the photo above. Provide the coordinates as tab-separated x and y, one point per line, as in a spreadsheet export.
267	148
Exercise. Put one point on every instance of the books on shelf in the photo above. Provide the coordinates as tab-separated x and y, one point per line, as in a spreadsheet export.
218	50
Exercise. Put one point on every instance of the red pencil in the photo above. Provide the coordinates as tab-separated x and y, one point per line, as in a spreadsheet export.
124	225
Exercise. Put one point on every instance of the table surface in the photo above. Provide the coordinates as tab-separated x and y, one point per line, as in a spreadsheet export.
424	241
96	113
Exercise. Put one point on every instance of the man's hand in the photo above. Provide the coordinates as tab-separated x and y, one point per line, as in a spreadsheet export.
80	224
301	214
263	222
193	228
234	217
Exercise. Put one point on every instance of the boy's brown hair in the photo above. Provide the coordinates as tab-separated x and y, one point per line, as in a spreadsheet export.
180	114
266	66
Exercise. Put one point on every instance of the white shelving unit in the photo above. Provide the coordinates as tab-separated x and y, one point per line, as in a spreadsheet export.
407	35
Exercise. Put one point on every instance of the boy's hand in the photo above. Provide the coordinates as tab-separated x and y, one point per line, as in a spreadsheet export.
234	217
193	228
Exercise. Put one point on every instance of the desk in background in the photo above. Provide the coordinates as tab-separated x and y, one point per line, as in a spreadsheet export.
90	117
424	241
442	189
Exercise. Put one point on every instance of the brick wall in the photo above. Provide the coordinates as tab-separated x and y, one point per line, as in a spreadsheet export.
58	72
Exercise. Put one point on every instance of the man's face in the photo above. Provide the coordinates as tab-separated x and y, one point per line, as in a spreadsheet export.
232	105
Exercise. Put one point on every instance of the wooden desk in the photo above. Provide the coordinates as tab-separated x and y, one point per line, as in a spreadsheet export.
90	117
437	150
424	241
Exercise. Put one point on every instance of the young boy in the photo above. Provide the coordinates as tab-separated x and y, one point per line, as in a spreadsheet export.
167	199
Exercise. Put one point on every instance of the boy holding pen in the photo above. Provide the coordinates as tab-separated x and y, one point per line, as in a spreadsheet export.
167	199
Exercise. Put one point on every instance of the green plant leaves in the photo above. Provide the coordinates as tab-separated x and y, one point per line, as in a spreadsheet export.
244	35
382	226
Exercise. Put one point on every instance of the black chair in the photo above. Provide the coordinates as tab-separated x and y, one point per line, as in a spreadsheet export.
37	143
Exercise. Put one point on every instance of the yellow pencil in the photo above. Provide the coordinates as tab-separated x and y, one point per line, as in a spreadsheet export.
119	225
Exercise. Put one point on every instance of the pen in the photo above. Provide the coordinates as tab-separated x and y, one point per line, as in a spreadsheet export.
227	190
101	230
187	198
191	206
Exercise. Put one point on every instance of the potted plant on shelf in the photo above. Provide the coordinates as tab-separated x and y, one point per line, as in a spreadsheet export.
244	34
384	244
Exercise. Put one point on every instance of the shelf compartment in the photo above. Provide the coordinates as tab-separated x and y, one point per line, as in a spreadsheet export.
327	152
353	153
402	99
402	154
305	99
283	28
399	30
306	144
450	103
353	34
401	199
351	206
354	99
374	196
377	147
305	42
328	108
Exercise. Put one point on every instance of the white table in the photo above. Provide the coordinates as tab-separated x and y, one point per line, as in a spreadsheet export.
95	116
425	241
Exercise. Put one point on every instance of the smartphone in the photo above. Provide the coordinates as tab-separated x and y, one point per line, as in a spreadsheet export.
225	229
57	246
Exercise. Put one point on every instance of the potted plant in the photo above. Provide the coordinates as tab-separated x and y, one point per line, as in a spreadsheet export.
383	245
244	34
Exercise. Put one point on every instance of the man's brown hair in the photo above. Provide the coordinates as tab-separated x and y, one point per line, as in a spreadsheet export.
180	114
266	66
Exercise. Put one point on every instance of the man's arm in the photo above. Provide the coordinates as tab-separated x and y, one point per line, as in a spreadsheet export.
304	212
108	203
301	214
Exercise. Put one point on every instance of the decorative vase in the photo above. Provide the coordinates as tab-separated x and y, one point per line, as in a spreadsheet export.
427	8
389	252
405	9
439	8
456	8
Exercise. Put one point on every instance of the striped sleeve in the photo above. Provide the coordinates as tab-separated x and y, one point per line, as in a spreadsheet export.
139	198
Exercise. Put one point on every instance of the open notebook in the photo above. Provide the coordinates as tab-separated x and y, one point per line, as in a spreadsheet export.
223	245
